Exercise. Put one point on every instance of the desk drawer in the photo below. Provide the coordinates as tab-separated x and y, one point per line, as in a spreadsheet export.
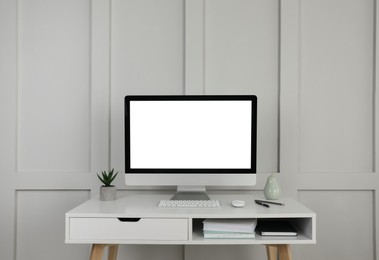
128	228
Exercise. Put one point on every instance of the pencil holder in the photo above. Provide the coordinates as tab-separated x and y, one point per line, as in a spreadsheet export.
272	189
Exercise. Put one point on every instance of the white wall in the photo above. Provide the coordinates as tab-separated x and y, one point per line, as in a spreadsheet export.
65	67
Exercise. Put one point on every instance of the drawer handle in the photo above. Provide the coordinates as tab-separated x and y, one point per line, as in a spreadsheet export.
129	219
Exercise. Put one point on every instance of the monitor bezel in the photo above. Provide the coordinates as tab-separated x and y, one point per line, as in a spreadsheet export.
130	98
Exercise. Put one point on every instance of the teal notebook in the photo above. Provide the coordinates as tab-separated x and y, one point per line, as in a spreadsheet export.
223	234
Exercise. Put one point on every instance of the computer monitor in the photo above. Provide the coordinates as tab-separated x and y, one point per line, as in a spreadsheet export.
191	141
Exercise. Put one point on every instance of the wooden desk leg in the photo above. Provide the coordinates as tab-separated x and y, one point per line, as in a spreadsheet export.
112	253
284	252
97	252
272	252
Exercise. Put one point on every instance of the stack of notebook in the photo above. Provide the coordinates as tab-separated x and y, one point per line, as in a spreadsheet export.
229	228
275	227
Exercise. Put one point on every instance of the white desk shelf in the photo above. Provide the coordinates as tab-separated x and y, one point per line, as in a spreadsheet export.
136	219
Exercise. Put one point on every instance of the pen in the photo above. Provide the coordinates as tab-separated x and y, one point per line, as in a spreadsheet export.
270	202
262	204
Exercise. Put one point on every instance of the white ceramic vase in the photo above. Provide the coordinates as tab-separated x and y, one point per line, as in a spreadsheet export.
272	189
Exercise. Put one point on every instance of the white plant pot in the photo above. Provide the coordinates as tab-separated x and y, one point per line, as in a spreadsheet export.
108	193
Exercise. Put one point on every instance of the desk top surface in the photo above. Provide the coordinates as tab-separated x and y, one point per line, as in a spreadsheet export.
144	203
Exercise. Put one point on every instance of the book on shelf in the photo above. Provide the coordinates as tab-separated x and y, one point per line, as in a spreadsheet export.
224	234
229	228
273	227
230	225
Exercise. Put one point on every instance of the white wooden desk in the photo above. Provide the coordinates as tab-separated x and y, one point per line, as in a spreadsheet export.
135	218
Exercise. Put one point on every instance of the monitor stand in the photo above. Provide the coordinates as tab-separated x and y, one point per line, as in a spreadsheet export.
190	193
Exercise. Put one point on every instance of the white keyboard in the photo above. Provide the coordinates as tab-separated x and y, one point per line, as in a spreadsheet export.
189	204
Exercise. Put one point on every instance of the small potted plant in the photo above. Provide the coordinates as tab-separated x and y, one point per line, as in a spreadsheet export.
107	191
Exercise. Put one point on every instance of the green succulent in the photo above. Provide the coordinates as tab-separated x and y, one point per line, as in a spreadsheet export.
107	177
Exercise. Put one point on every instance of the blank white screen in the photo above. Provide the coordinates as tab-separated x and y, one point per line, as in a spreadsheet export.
190	134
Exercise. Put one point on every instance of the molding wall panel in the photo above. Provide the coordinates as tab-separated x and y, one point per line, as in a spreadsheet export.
147	47
54	86
337	66
241	56
143	252
40	229
227	252
54	116
241	47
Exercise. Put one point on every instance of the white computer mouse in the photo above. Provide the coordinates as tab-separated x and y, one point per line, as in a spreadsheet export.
238	203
